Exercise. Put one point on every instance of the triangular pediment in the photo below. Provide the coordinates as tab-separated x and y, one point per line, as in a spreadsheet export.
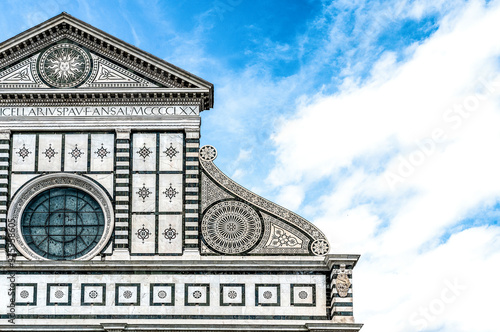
66	55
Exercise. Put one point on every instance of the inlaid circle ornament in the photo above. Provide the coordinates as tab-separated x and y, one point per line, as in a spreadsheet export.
24	294
93	294
127	294
267	295
59	294
232	294
162	294
231	227
303	295
320	247
208	153
61	217
64	65
197	294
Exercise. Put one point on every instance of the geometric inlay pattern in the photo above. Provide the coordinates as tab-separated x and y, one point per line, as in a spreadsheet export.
232	294
102	152
267	295
143	192
50	152
231	227
170	233
171	152
144	152
143	233
303	295
170	193
197	294
23	152
76	153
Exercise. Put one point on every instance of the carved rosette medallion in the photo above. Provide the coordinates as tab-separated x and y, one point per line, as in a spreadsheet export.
208	153
231	227
320	247
64	65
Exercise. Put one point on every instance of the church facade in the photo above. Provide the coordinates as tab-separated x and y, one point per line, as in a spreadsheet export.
113	218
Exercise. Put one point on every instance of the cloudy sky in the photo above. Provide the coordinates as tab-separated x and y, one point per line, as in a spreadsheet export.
377	120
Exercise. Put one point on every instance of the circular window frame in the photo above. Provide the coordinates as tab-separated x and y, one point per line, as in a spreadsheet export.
57	180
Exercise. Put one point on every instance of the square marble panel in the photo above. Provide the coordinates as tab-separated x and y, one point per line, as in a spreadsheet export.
197	294
76	152
49	153
303	295
128	294
102	152
143	192
144	152
143	234
232	294
267	295
105	180
59	294
162	294
170	193
171	152
26	294
170	234
93	294
17	180
23	153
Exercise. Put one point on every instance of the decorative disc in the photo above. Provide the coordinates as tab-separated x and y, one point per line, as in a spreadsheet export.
231	227
64	65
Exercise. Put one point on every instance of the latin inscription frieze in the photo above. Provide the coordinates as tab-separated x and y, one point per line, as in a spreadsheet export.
97	111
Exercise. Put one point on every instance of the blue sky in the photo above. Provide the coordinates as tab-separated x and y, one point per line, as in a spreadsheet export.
377	120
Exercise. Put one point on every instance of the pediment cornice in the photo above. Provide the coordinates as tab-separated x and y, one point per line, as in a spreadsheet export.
171	81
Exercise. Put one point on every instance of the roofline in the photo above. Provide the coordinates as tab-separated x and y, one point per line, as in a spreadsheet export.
71	20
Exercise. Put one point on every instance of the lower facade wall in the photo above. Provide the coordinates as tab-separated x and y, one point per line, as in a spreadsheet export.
71	297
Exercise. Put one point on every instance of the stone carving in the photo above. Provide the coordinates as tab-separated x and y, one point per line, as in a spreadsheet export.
50	153
24	294
64	65
231	227
144	152
208	153
170	192
76	153
108	74
225	182
171	152
283	238
303	295
342	283
93	294
23	152
22	75
320	247
162	294
102	152
232	294
59	294
210	192
170	233
144	192
143	233
271	224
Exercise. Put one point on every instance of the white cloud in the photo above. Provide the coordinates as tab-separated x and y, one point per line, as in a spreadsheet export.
360	136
